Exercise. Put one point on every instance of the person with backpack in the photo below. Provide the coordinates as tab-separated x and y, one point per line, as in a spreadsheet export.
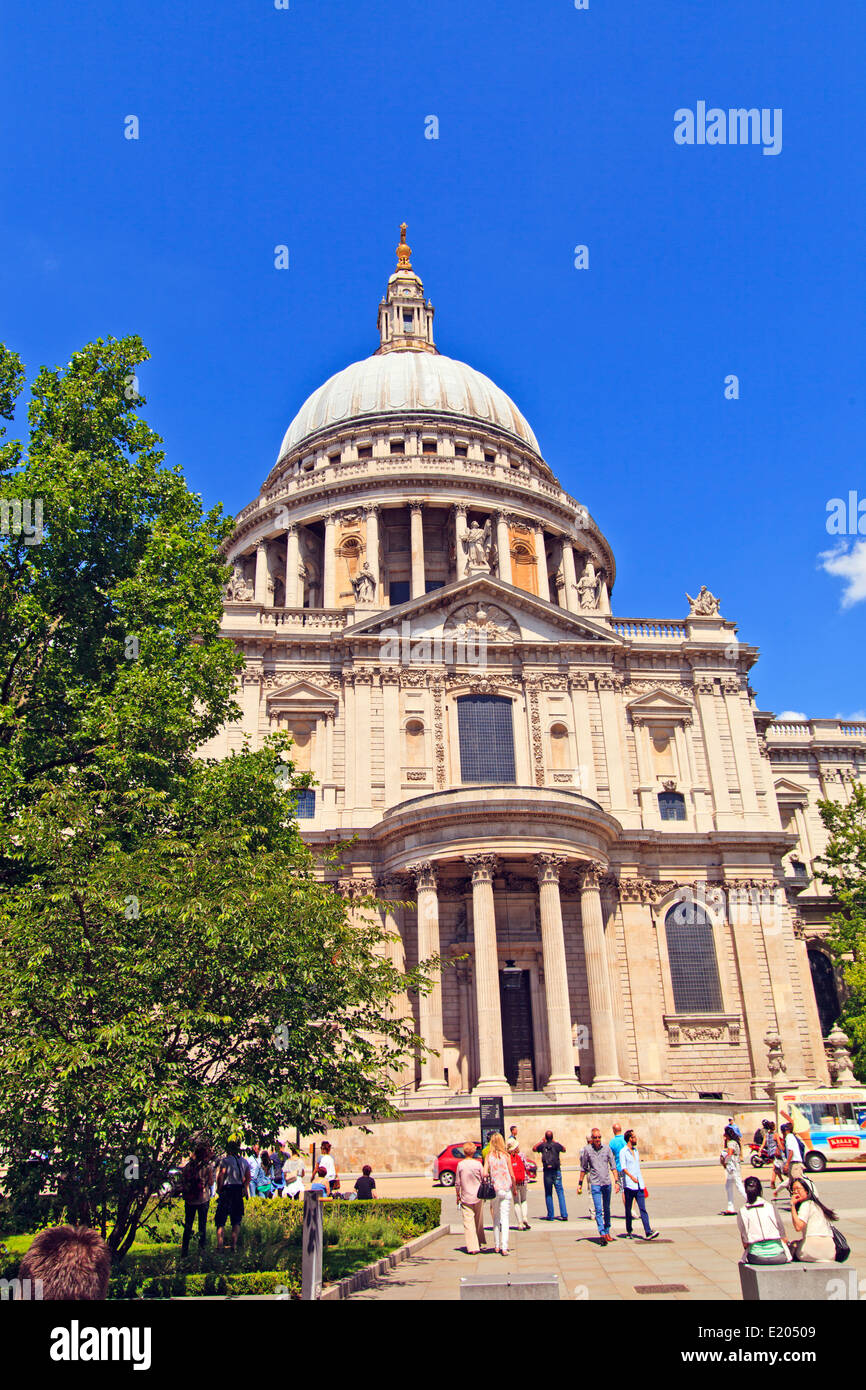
771	1152
196	1180
795	1154
233	1184
730	1161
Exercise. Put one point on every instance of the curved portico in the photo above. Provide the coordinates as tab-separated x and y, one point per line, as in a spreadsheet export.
478	841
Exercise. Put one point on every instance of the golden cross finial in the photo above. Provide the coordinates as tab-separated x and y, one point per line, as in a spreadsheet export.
403	251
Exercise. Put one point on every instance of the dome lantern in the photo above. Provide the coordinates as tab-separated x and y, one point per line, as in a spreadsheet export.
405	316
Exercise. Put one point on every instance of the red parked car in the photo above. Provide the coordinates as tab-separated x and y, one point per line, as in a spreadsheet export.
445	1164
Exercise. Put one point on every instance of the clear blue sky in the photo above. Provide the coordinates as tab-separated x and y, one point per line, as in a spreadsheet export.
306	127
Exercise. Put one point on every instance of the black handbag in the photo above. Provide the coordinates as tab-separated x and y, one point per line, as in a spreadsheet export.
843	1249
486	1191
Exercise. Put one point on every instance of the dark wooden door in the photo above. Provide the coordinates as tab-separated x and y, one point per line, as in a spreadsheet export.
517	1042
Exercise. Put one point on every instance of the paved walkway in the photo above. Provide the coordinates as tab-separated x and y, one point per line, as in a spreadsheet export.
697	1251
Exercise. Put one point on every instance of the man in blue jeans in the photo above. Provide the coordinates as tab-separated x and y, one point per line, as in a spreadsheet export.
597	1162
552	1173
632	1183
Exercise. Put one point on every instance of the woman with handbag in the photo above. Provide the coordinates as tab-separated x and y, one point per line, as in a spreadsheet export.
520	1203
467	1183
499	1169
812	1223
761	1229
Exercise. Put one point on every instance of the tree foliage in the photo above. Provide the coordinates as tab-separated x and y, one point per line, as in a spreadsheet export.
843	868
172	960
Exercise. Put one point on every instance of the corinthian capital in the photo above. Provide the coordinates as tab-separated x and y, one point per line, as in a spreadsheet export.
590	874
424	873
548	866
483	867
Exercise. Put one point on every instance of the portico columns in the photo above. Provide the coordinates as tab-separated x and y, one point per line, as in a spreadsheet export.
541	564
562	1080
459	533
417	543
429	1005
293	559
261	573
570	575
490	1054
372	556
601	1015
329	566
503	549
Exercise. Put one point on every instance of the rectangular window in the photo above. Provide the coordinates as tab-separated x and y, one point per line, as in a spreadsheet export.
429	446
398	446
307	803
408	321
489	457
398	591
365	451
486	738
461	451
431	584
672	806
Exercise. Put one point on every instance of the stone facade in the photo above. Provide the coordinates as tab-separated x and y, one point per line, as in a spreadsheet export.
615	858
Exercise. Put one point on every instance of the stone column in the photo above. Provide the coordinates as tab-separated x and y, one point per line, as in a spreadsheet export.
251	703
417	541
705	692
395	952
570	576
363	725
503	548
293	562
373	547
601	1019
429	1005
262	572
460	532
329	563
820	1071
585	781
394	752
637	898
562	1080
778	938
541	563
750	980
490	1055
733	698
646	781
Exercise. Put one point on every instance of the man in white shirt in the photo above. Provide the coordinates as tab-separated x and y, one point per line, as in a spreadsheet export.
793	1155
633	1185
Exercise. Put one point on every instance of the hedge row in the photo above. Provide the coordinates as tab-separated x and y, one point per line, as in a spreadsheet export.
285	1283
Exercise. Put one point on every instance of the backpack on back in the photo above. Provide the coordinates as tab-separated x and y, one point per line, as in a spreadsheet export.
192	1183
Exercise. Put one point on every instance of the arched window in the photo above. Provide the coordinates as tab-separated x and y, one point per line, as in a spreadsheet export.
692	959
486	738
824	984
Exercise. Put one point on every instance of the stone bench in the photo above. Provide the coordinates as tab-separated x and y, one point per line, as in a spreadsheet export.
511	1287
798	1283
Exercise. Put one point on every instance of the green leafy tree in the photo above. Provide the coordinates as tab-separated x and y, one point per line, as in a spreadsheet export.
172	961
843	868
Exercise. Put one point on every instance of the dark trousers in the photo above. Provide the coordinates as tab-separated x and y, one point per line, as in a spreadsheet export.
189	1215
633	1194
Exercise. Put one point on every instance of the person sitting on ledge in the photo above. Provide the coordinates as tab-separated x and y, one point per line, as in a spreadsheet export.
761	1229
812	1221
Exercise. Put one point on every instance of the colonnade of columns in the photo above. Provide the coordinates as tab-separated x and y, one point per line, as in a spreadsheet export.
294	594
561	1081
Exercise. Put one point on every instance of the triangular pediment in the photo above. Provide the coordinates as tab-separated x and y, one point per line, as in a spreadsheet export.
516	615
663	703
790	791
301	695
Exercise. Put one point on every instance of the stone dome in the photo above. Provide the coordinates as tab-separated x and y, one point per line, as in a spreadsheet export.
408	381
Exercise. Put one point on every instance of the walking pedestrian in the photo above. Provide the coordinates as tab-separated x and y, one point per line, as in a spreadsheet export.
616	1144
196	1180
772	1152
233	1184
252	1158
467	1180
634	1185
550	1149
794	1155
500	1170
278	1171
730	1161
598	1163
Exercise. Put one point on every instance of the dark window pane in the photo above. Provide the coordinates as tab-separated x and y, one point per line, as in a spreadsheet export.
431	584
486	738
692	957
672	806
398	591
307	803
